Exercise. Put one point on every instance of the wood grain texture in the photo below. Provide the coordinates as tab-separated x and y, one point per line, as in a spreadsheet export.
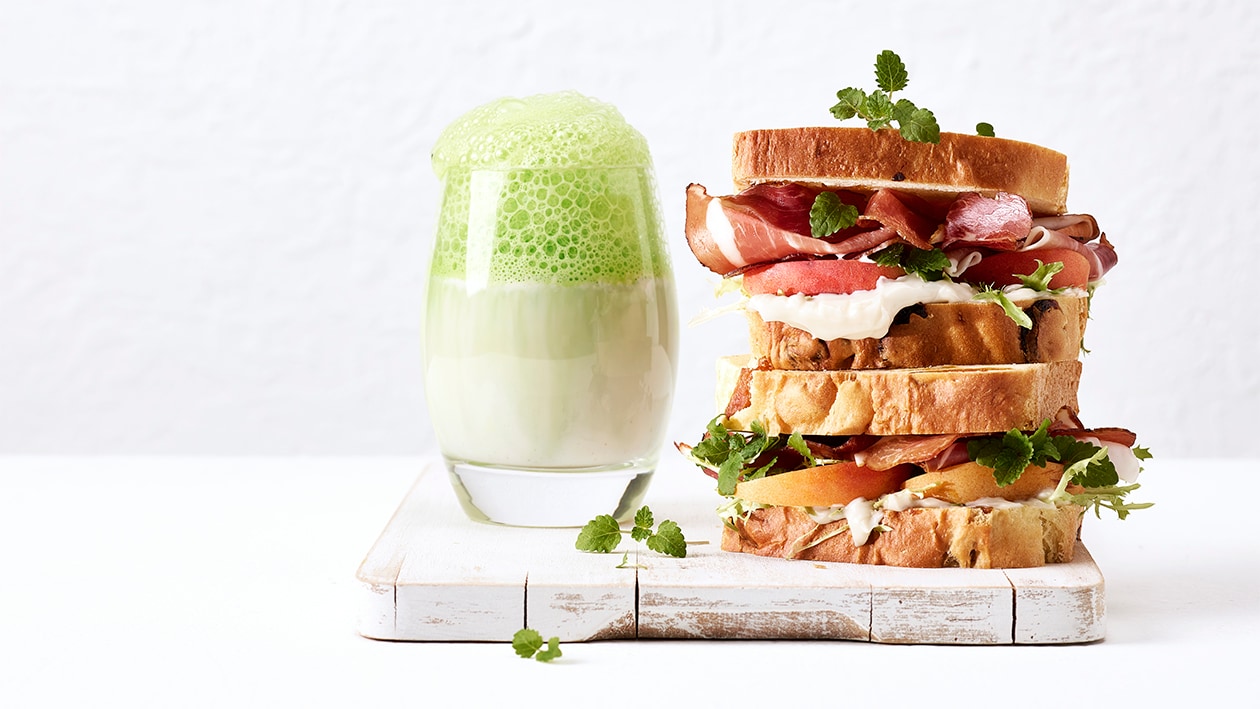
434	575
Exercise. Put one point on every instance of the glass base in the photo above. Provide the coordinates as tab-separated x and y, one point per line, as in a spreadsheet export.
548	497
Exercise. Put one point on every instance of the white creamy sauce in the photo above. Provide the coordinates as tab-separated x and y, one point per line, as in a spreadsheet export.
863	518
723	233
868	313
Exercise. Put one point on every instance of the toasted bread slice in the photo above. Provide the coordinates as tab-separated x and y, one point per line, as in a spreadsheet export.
966	537
891	402
867	160
933	334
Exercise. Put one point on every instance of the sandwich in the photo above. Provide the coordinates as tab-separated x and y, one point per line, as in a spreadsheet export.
916	312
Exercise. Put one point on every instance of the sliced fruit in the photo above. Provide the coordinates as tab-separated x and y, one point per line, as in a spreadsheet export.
971	481
816	276
823	485
1000	269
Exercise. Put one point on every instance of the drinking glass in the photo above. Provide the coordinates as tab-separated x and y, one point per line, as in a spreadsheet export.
550	336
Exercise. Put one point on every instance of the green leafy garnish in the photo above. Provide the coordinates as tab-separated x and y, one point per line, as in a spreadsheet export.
878	108
928	264
668	540
1012	311
1010	455
829	215
1039	280
985	129
600	535
797	443
529	643
730	451
1084	464
603	534
1111	498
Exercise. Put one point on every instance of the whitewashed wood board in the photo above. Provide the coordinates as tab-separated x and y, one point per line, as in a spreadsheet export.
434	575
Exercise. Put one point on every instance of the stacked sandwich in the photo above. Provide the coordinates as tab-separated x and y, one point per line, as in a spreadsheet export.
916	315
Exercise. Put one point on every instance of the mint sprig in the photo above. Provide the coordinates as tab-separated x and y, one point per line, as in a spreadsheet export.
729	452
603	534
529	643
878	108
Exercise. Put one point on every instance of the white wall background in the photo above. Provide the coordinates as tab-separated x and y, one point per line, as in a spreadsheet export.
214	215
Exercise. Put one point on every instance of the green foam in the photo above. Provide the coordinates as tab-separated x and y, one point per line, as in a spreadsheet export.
555	188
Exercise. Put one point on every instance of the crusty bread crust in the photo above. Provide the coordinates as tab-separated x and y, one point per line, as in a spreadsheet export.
931	335
966	537
863	159
890	402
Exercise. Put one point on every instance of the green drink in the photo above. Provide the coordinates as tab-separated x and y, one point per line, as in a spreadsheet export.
551	326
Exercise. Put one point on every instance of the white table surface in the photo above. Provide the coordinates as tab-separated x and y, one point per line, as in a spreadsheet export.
230	582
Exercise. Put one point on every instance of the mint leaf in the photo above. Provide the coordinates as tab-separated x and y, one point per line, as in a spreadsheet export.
890	71
928	264
529	643
668	540
878	110
1088	463
985	129
643	518
600	535
902	110
1039	280
552	651
920	127
850	103
1012	311
1009	455
1043	447
526	642
829	215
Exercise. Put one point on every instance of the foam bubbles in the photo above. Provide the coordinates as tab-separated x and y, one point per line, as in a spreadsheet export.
555	188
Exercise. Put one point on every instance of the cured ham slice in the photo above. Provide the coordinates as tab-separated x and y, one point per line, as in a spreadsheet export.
997	222
887	210
891	451
745	237
1100	254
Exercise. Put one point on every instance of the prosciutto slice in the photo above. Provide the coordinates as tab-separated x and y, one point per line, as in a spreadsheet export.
768	223
886	209
891	451
749	238
1100	254
997	222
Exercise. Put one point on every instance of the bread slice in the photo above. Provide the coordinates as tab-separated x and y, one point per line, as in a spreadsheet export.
889	402
867	160
966	537
929	335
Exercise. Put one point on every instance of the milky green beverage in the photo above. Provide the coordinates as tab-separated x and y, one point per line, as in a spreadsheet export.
551	328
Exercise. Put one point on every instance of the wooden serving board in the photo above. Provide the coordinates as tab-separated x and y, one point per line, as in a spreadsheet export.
434	575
